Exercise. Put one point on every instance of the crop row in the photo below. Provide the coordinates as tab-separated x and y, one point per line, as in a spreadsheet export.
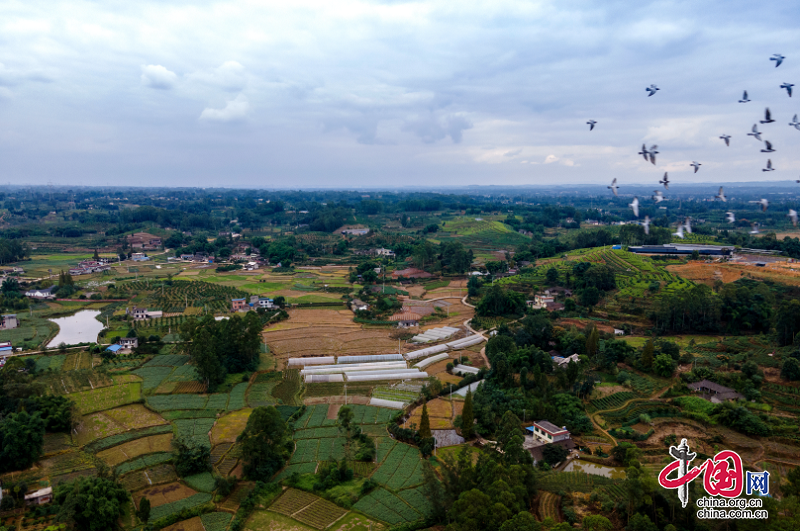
177	506
635	408
385	506
143	462
401	469
612	401
573	481
114	440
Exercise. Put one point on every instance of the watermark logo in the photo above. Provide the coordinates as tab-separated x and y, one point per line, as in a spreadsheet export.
723	477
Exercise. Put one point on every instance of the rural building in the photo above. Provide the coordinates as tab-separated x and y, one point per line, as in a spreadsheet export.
129	342
5	349
114	349
9	321
554	307
384	252
537	449
143	313
714	392
40	497
358	305
673	248
187	257
560	362
618	332
46	293
265	303
558	291
540	301
547	432
239	305
411	272
406	319
139	257
144	240
355	232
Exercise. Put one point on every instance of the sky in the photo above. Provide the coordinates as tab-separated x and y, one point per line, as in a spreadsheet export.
350	93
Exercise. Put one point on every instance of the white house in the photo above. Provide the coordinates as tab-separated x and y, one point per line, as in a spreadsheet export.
541	301
563	362
40	497
384	252
129	342
47	293
548	432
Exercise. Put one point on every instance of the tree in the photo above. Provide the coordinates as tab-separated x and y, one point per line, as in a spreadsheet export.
595	522
425	423
21	439
790	370
203	356
592	342
93	503
552	275
640	522
468	417
522	521
56	412
266	443
589	296
647	354
664	365
345	417
144	510
554	454
191	458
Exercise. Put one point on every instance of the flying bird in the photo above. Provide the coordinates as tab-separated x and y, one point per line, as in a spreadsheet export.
646	225
769	166
665	181
721	195
658	197
591	124
788	87
613	187
768	149
764	205
778	58
652	90
744	99
730	217
756	133
644	152
696	166
727	139
653	153
635	206
793	216
679	233
767	117
687	225
755	228
794	123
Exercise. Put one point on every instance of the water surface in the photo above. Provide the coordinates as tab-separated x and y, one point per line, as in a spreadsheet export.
82	327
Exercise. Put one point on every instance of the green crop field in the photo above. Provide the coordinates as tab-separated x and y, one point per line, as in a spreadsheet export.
152	376
106	397
114	440
175	507
386	507
184	294
236	400
143	462
195	430
171	402
402	468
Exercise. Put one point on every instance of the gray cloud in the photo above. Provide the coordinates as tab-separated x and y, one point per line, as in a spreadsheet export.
158	77
234	110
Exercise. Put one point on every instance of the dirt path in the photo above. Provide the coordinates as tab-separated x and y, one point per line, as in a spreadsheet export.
655	396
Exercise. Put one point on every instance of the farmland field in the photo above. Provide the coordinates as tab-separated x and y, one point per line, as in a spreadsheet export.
402	468
130	450
230	426
387	507
106	397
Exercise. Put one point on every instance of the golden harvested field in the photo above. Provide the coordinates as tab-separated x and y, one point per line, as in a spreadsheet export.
700	272
164	494
135	416
440	413
445	292
129	450
438	367
229	427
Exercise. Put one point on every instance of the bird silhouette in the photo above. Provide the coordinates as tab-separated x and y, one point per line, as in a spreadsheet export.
778	58
646	225
744	99
679	232
653	153
721	195
613	187
755	133
764	205
659	196
591	124
730	217
793	216
768	149
769	166
644	152
754	227
635	206
665	181
788	87
652	90
794	123
696	166
687	225
727	139
767	117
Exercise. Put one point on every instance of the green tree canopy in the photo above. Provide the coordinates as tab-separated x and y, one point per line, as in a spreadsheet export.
92	503
266	443
21	439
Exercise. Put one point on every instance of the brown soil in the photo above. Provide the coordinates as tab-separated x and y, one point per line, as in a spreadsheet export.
333	411
608	390
164	494
580	325
192	524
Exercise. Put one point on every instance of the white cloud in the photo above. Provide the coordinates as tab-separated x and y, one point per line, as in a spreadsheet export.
158	77
229	76
234	110
550	159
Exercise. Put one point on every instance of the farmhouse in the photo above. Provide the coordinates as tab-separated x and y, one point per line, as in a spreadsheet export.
537	450
40	497
139	257
547	432
384	252
114	349
5	349
562	363
9	321
406	319
46	293
355	232
143	313
554	306
714	392
239	305
129	342
265	303
540	301
358	305
144	240
558	291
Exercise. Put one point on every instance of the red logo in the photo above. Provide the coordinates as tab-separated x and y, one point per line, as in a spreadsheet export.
723	474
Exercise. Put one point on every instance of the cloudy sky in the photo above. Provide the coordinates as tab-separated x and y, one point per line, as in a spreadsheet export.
348	93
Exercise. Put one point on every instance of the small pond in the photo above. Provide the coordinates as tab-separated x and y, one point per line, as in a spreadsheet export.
79	328
579	465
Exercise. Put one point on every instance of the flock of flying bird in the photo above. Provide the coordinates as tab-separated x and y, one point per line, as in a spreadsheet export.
650	155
